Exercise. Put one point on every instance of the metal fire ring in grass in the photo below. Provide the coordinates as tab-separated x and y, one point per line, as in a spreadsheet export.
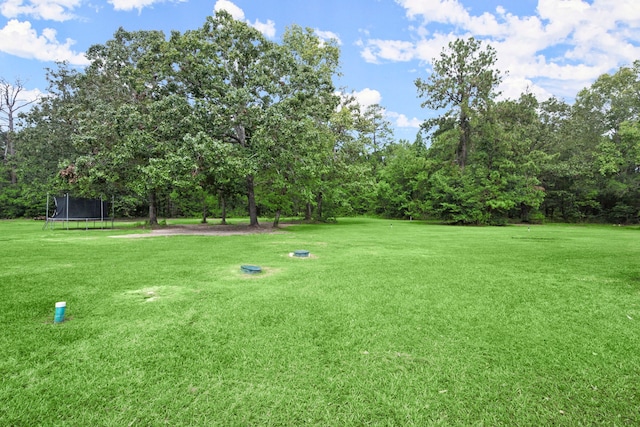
301	253
250	269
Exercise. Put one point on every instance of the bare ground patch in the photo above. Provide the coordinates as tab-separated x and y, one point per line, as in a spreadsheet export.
266	272
206	230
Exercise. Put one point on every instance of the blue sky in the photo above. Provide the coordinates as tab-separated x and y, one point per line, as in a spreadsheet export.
548	47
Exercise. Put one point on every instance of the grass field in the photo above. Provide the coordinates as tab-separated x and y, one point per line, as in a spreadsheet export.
388	323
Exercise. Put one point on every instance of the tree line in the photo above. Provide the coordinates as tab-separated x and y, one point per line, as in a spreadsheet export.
221	120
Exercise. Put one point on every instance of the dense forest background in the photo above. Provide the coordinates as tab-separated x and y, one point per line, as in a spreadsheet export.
220	120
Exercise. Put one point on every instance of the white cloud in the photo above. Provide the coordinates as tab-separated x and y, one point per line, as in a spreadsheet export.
443	11
23	96
52	10
127	5
20	39
228	6
402	121
564	45
369	55
427	49
367	97
514	87
267	28
328	35
29	96
392	50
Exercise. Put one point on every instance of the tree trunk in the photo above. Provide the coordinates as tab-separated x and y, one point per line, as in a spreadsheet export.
524	212
251	199
11	152
276	220
307	214
319	205
465	135
204	209
153	209
241	133
223	207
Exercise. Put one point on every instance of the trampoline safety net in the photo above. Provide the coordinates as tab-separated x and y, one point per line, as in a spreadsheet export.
79	209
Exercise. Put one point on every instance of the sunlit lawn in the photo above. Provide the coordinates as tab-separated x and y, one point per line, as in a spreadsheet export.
387	323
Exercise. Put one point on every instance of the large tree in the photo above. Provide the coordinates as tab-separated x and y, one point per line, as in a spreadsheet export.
229	70
402	186
46	139
131	124
296	128
349	184
500	180
464	81
376	132
268	99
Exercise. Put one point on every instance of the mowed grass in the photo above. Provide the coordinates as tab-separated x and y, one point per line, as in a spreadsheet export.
388	323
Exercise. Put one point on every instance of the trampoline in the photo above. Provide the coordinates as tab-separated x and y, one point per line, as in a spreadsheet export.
77	209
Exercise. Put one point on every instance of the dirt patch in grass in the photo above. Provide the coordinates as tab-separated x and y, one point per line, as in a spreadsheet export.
310	256
154	293
206	230
266	272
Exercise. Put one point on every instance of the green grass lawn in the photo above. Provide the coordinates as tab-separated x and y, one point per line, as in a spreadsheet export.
388	323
